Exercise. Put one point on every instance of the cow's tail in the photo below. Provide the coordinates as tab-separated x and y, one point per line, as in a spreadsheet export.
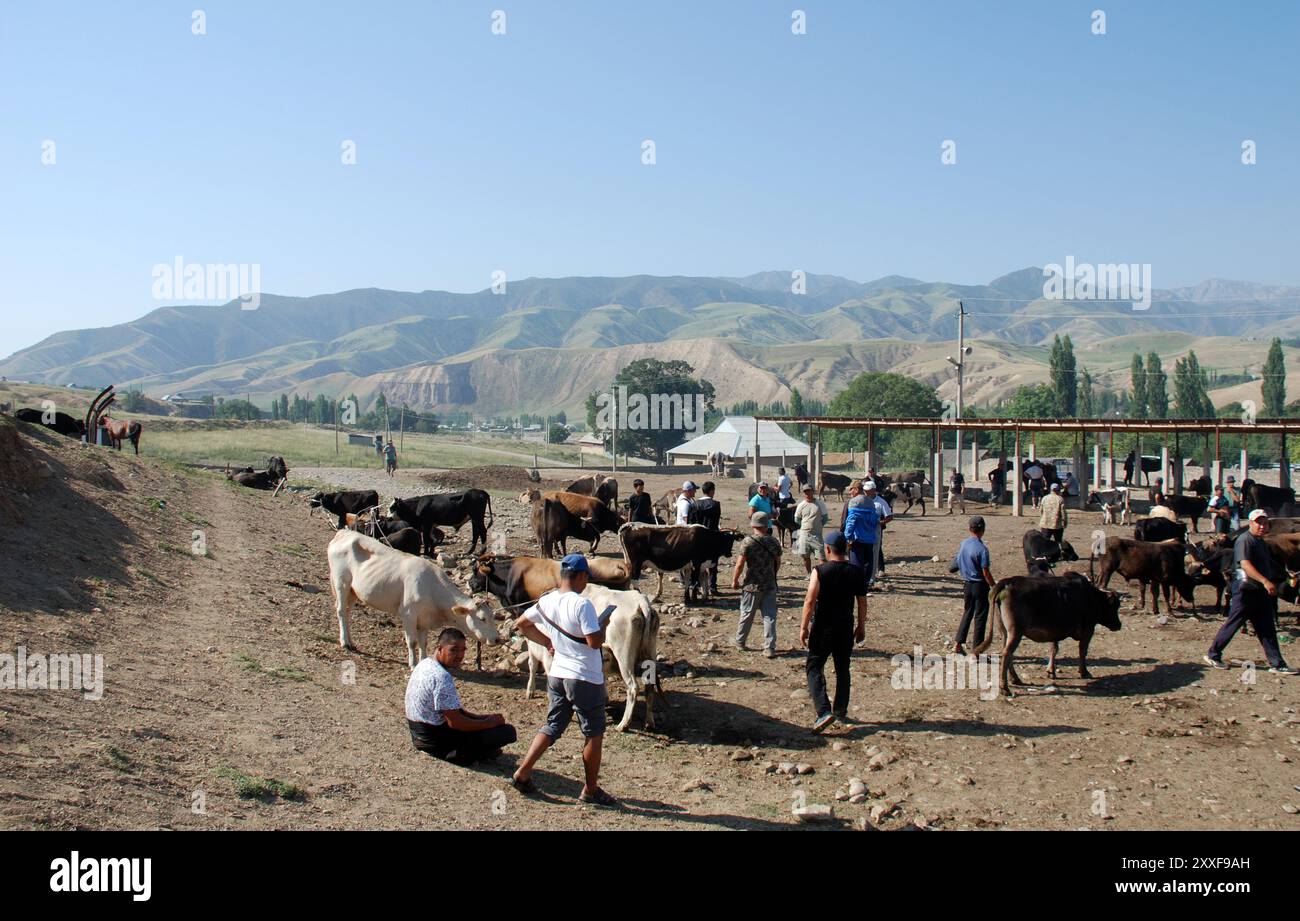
491	517
1092	559
995	608
622	543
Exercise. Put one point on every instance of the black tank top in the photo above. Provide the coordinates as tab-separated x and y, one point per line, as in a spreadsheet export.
840	583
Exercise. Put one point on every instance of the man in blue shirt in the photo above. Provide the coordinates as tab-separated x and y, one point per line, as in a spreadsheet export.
861	525
972	561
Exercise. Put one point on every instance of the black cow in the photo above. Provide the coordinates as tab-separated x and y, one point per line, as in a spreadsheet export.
344	503
1202	486
785	523
275	473
1188	507
1159	565
1042	553
801	474
833	481
1048	609
451	509
63	423
672	548
1212	564
1269	498
392	531
1157	530
554	523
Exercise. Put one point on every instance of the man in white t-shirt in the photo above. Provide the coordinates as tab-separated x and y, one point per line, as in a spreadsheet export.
783	487
567	625
685	502
439	725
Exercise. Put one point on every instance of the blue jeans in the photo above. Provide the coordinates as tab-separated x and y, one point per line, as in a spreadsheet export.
765	603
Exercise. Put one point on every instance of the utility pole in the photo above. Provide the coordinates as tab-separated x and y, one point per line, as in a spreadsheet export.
960	363
613	441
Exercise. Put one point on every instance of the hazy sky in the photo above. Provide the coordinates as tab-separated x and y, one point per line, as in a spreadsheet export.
523	152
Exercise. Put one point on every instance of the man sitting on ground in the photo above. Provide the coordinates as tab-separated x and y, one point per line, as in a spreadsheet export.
439	725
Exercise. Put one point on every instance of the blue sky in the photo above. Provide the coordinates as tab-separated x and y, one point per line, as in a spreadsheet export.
522	152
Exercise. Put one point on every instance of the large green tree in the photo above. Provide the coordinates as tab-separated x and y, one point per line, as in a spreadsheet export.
660	410
1274	383
1137	404
1087	406
1064	383
880	393
1157	388
1191	396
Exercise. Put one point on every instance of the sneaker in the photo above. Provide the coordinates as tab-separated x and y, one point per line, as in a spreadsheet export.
599	798
737	644
1284	670
1213	663
822	722
770	653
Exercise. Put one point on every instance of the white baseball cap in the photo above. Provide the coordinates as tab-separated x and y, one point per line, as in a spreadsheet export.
1257	514
868	484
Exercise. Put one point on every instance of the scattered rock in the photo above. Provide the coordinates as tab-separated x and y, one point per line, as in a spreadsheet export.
699	783
803	768
742	755
814	813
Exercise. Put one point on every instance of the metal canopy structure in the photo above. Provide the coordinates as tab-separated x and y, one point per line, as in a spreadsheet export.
1080	427
1169	426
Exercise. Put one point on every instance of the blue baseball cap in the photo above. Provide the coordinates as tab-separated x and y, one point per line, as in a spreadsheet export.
836	540
574	562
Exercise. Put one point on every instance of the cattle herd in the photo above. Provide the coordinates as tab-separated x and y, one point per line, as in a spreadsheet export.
375	558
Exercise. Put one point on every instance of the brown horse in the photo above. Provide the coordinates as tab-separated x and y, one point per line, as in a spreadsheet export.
117	431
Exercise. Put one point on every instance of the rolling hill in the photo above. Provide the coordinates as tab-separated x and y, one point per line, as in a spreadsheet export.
543	344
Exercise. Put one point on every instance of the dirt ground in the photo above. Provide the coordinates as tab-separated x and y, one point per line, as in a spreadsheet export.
225	668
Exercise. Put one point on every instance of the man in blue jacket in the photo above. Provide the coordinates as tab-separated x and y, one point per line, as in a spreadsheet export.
861	526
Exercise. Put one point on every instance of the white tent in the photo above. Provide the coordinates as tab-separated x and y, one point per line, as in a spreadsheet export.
734	437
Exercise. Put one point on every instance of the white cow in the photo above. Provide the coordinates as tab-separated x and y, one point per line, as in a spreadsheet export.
411	587
631	641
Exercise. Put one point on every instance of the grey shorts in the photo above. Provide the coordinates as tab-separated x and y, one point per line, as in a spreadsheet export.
569	694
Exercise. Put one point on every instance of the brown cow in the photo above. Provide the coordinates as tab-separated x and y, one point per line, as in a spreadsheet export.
557	516
602	487
520	580
1161	565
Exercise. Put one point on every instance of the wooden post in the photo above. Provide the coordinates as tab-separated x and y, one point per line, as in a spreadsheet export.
1245	464
336	427
871	447
1177	476
401	436
1015	481
1096	464
758	457
1283	465
1218	461
1110	465
1164	464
